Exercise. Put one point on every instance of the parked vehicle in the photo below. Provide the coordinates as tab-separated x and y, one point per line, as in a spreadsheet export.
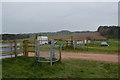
104	44
43	39
49	42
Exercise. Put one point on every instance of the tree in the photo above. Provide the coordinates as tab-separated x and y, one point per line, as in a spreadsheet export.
109	31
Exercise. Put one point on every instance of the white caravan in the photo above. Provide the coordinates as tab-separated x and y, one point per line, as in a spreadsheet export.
43	39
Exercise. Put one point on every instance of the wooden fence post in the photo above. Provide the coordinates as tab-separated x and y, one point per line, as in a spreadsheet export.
25	47
15	48
60	54
66	43
71	43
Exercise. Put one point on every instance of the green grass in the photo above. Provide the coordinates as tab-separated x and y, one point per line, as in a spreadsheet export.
101	50
92	47
112	48
61	42
96	48
24	67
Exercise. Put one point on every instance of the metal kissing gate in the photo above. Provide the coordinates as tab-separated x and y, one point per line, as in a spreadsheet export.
47	52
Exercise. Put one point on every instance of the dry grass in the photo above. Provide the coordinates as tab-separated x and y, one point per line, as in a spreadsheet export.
79	36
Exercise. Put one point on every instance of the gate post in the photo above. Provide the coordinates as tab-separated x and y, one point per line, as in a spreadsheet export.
51	52
15	48
60	54
66	43
75	44
25	47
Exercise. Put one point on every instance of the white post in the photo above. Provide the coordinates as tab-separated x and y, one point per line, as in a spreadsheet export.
37	49
75	44
51	52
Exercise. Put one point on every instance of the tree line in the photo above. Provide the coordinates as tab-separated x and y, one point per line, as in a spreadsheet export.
14	36
109	31
106	31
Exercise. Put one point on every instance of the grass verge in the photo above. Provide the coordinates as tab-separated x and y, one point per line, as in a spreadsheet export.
24	67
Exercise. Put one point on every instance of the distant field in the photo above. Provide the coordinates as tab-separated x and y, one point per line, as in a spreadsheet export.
79	36
95	47
91	47
24	67
112	48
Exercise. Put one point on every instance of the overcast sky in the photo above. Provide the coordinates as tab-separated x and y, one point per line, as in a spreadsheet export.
26	17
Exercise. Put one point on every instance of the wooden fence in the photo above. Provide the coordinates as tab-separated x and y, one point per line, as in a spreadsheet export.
24	45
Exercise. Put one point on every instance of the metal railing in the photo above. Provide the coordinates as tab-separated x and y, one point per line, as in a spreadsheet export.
50	50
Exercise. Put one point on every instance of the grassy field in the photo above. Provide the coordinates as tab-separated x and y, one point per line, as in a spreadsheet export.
24	67
96	48
91	47
93	35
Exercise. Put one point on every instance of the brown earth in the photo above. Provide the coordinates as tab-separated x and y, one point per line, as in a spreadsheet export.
91	56
87	56
79	36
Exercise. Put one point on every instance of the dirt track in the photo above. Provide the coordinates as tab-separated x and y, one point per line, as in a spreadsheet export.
89	56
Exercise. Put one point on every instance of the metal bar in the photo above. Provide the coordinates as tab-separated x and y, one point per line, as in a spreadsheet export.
47	61
75	44
44	57
39	48
36	48
38	52
51	52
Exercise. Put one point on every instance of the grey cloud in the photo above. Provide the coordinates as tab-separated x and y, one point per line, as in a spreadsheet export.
41	17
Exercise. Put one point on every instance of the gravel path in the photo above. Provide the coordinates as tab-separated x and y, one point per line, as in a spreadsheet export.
91	56
88	56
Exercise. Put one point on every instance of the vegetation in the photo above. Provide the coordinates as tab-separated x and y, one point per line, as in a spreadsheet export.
90	47
96	48
106	31
28	35
109	31
14	36
25	67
